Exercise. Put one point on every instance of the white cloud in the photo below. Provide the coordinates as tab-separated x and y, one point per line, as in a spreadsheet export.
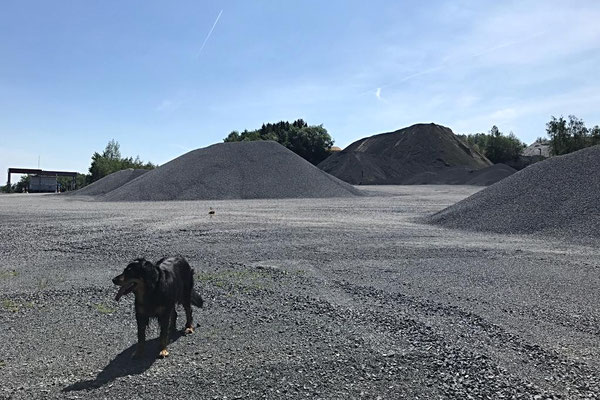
466	100
505	114
507	63
526	113
168	105
527	33
506	34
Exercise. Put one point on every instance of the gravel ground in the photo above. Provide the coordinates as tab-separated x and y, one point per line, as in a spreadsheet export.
558	197
305	298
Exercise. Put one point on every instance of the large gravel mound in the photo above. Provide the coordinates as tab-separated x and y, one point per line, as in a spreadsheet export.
243	170
419	154
109	182
557	196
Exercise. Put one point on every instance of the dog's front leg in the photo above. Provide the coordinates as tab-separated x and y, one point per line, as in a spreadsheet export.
142	323
164	322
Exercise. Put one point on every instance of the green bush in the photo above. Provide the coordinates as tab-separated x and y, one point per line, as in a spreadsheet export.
111	161
312	143
569	136
496	146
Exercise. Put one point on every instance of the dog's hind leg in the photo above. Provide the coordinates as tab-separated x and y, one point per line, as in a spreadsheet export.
189	328
187	305
163	321
142	323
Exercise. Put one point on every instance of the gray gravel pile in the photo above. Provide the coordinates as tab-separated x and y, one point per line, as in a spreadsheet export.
109	182
557	196
243	170
419	154
538	148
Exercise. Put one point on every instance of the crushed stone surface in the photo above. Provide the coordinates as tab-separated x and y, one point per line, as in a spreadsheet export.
304	298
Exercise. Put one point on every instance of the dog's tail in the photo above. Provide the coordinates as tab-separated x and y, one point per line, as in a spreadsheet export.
197	299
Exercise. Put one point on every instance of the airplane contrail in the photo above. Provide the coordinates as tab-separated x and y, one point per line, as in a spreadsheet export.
454	60
210	32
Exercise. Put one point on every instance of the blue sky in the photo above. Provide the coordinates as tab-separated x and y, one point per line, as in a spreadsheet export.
75	74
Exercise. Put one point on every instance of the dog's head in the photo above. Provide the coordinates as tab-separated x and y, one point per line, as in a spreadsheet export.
139	275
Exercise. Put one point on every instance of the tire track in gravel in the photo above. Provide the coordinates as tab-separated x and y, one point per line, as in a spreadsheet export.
563	377
400	343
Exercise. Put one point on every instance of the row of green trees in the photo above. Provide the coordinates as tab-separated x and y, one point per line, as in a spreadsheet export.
572	135
566	136
314	143
111	161
311	142
495	145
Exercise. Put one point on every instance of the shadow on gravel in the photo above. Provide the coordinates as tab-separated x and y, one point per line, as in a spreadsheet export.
122	365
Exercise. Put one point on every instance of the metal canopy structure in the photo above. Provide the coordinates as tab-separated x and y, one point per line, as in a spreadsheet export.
39	172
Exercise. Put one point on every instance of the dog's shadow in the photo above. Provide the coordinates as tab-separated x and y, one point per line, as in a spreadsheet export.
123	365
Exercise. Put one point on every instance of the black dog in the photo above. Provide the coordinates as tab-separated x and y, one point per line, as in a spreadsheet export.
158	288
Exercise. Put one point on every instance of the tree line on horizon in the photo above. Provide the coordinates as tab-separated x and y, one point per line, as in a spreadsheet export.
111	161
569	136
313	143
495	145
564	136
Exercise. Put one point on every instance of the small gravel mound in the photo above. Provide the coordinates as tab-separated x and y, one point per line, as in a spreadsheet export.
559	196
109	182
490	175
538	148
419	154
462	176
242	170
